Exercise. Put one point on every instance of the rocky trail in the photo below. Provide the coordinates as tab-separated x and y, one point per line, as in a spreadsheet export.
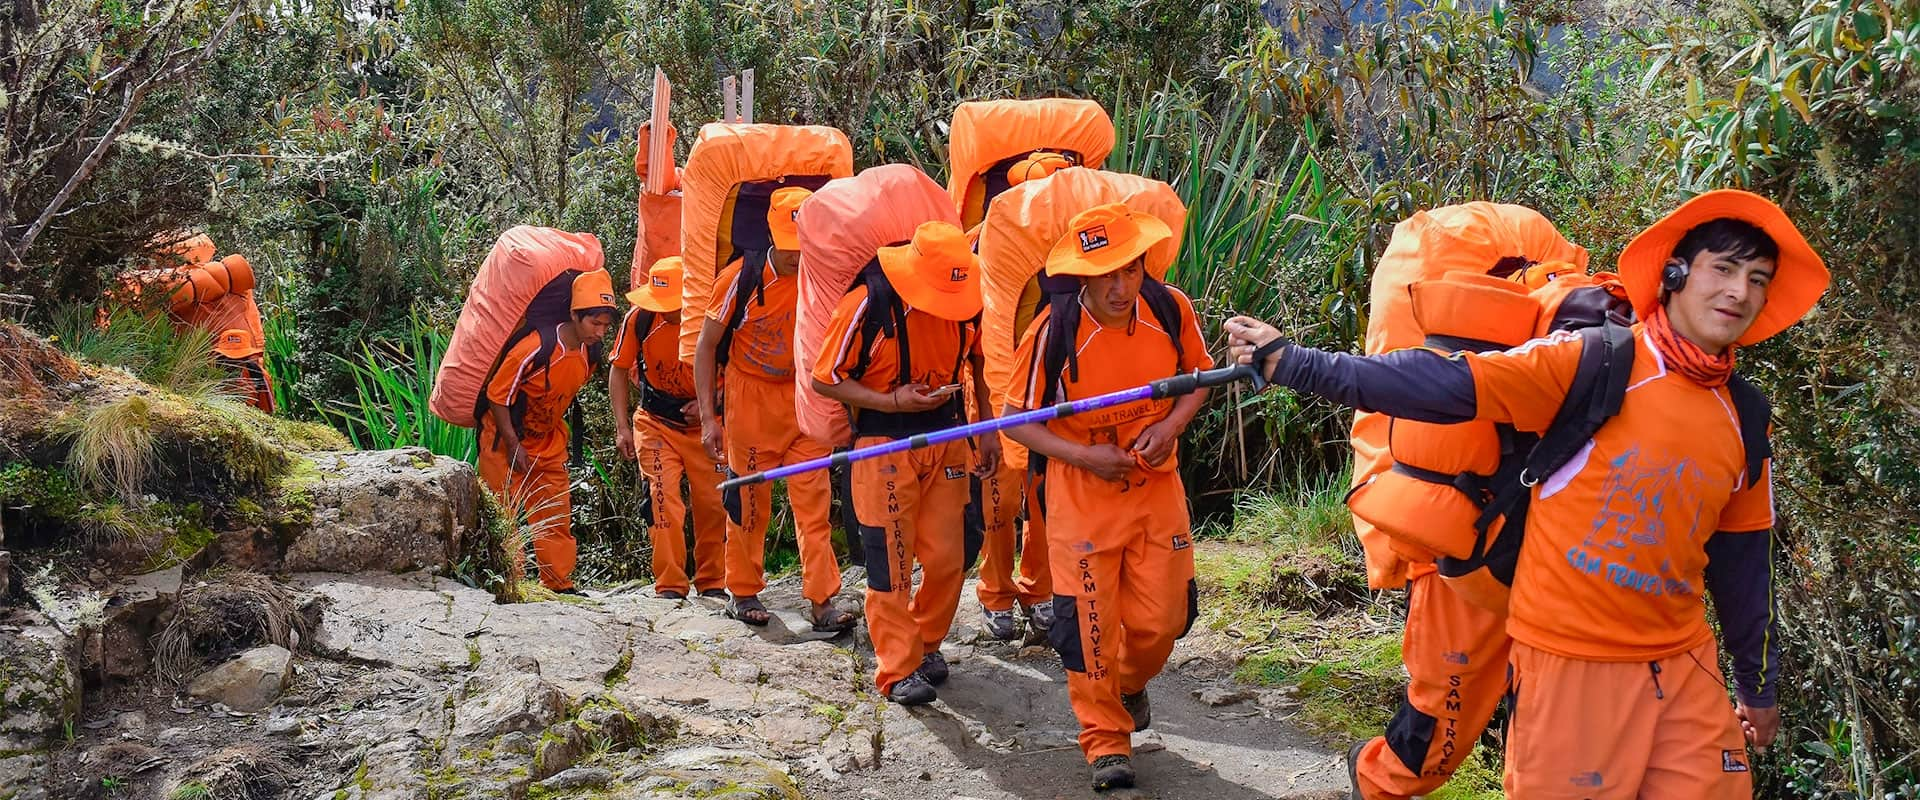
415	686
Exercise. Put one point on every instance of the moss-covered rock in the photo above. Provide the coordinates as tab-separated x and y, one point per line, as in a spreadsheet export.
39	684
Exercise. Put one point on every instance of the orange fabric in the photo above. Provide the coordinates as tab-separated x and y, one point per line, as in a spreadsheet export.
986	133
845	224
783	216
760	435
1615	731
666	456
723	157
935	345
250	379
1456	659
592	290
1612	568
1002	495
1112	359
911	508
1470	237
1020	229
1686	358
1122	560
184	251
763	344
936	272
541	493
522	261
1800	279
1104	239
661	289
657	351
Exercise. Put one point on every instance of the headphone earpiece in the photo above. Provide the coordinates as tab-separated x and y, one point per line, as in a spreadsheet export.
1673	276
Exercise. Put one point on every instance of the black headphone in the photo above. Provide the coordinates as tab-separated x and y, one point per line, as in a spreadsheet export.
1673	276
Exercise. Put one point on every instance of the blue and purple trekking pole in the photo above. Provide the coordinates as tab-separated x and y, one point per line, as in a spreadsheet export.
1158	390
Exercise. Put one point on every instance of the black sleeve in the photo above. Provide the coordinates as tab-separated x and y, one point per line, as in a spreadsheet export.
1740	578
1419	385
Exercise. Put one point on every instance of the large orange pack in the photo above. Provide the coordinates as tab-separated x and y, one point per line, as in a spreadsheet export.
988	137
1479	238
731	173
658	232
523	261
1021	226
218	297
842	228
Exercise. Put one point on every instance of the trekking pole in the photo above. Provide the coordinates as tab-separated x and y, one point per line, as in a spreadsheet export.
1158	390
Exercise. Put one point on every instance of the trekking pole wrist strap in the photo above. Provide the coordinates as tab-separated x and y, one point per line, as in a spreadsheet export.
1262	377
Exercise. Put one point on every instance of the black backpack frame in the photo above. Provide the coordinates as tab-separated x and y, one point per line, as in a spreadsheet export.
549	308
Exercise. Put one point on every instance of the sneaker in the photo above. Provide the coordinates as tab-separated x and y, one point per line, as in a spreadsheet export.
1040	616
1112	772
933	668
1140	707
1353	767
912	690
1001	624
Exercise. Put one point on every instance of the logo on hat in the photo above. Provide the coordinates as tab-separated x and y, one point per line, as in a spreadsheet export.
1093	238
660	282
959	275
606	298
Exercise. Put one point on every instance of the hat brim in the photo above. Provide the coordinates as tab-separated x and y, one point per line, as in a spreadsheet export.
657	302
1800	276
898	264
1066	259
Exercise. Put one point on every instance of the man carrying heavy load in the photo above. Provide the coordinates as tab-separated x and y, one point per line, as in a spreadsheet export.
749	332
895	352
1117	524
1664	491
524	434
664	435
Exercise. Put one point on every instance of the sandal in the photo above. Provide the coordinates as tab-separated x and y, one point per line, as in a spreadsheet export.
745	609
837	620
718	594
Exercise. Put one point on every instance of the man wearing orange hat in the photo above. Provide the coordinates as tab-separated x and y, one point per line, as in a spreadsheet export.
749	331
523	437
1614	670
1118	531
663	434
895	351
1003	495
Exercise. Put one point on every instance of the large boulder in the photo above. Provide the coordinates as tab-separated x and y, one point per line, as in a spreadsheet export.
385	511
250	682
134	608
39	682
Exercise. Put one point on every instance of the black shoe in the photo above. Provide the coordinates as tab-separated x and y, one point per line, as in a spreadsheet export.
933	668
572	590
719	594
1112	772
1140	707
1353	767
912	690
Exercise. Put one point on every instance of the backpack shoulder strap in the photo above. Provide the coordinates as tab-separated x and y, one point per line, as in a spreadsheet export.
1062	337
886	316
1166	312
747	286
1756	417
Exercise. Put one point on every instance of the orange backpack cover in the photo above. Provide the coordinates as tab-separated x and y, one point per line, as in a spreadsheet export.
522	261
986	134
658	233
842	228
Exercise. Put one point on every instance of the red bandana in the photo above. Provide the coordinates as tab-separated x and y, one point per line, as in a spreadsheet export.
1685	357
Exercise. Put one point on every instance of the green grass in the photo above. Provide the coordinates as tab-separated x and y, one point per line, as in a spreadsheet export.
389	407
146	345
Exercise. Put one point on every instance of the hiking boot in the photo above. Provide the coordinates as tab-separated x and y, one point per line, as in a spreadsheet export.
912	690
1140	707
1112	772
1040	616
933	668
1353	767
1001	625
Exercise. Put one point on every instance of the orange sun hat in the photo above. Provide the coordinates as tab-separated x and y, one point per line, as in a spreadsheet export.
1800	277
593	291
1104	239
936	272
783	216
661	293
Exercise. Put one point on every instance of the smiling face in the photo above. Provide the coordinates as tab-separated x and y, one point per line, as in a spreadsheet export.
1730	266
1110	297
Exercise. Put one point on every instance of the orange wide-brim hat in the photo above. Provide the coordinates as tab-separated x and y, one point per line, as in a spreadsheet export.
1800	277
1105	239
235	343
661	293
783	216
593	291
936	272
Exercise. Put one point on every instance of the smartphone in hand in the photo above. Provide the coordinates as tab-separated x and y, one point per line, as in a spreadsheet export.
944	390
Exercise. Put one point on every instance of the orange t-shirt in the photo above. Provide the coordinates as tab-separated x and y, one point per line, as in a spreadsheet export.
1612	568
936	347
1111	359
763	344
657	351
548	390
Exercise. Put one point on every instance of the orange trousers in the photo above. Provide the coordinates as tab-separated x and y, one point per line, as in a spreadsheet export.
667	455
762	433
1122	559
1609	730
911	507
1456	658
1002	495
541	495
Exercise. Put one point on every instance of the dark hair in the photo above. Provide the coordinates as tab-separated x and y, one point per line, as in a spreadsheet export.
1738	239
610	311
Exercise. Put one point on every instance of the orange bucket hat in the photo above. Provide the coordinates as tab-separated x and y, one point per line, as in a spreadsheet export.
593	291
661	294
235	343
1105	238
783	216
1800	276
1035	167
936	272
